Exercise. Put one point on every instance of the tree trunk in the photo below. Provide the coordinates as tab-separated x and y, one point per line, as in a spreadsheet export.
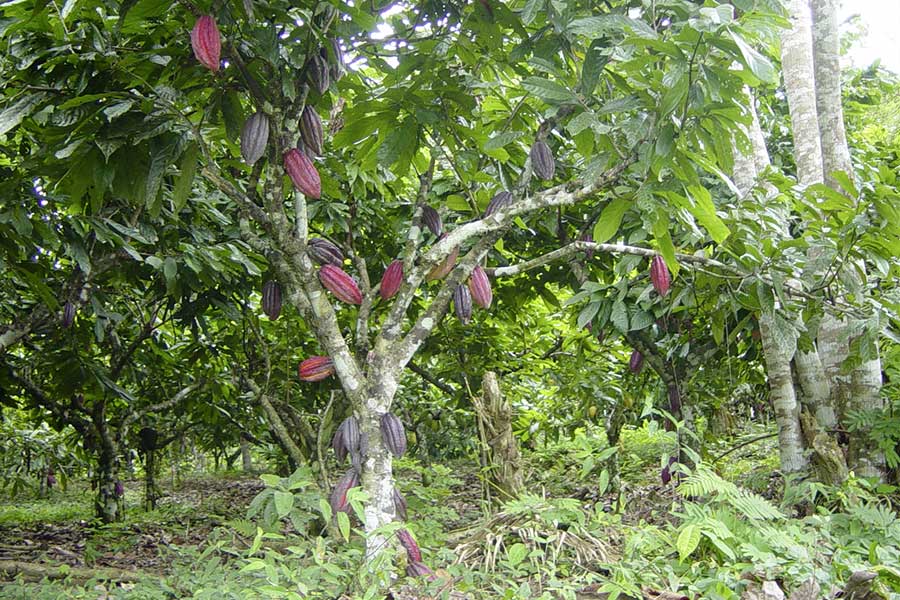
280	432
504	468
246	457
150	488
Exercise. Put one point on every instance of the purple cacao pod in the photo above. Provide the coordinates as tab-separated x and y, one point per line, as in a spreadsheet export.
254	138
393	434
480	288
339	502
311	130
206	42
315	368
587	237
419	569
409	544
339	283
462	303
120	489
432	220
68	315
542	162
391	280
271	299
318	73
324	252
636	362
659	275
399	504
303	173
500	201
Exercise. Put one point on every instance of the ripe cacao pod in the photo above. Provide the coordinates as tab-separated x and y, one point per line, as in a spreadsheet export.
636	362
480	287
419	569
271	299
68	315
340	284
303	173
542	160
432	220
409	544
315	368
659	275
339	503
393	434
311	130
324	252
399	504
317	70
499	201
391	280
445	266
254	137
206	42
462	303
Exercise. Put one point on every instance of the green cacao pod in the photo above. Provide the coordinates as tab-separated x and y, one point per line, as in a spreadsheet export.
271	299
303	173
462	303
311	130
315	368
391	280
393	434
254	138
206	42
480	288
542	160
340	284
324	252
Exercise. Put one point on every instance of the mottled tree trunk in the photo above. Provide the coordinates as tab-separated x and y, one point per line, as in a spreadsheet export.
246	457
504	468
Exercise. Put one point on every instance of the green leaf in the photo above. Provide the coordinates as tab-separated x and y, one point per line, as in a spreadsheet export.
603	483
184	181
548	91
688	540
344	525
704	211
595	60
325	509
674	97
610	219
619	316
12	115
284	503
664	242
170	269
516	553
500	140
532	7
758	64
457	203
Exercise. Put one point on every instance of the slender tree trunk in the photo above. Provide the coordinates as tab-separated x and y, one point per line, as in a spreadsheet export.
280	432
504	468
246	457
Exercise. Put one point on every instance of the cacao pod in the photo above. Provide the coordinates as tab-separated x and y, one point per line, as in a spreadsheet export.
419	569
254	137
317	70
271	299
587	237
336	71
120	489
68	315
340	284
315	368
393	434
666	474
311	131
674	400
346	438
399	504
324	252
480	287
391	280
462	303
339	503
409	544
636	362
339	445
206	42
500	201
445	266
51	480
303	173
542	162
432	220
659	275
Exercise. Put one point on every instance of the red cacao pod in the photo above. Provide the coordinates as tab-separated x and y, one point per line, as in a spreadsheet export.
480	287
445	266
315	368
462	303
500	201
254	137
420	569
636	362
399	505
68	315
542	160
271	299
391	280
324	252
409	544
340	284
432	220
311	130
659	275
339	503
303	173
393	434
318	73
206	42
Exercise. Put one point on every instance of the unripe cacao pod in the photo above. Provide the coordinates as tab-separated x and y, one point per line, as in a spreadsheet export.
339	503
318	73
499	201
324	252
393	434
542	162
391	280
340	284
311	130
68	315
659	275
409	544
206	42
303	173
399	505
271	299
480	287
636	362
462	303
445	266
419	569
254	137
432	220
315	368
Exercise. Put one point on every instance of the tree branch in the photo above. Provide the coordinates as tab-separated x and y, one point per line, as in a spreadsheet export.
444	387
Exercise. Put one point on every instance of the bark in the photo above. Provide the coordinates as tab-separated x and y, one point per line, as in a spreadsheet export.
814	385
246	457
279	431
778	349
504	467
